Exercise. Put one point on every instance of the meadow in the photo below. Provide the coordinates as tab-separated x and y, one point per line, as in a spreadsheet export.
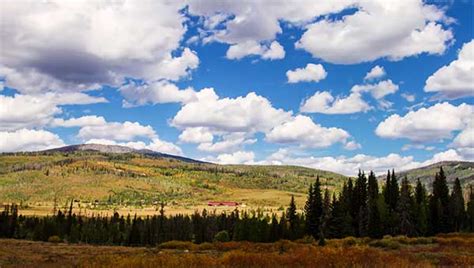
135	183
454	249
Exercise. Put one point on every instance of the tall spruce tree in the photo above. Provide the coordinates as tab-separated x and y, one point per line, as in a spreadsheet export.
470	212
292	218
405	210
421	209
360	205
456	207
374	222
317	207
386	189
310	223
439	204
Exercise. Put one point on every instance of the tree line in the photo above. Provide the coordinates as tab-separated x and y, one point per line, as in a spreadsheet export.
361	209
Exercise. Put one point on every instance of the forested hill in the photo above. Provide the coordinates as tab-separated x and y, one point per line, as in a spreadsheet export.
453	169
122	176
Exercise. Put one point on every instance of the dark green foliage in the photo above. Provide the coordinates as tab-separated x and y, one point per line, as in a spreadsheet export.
374	221
405	210
456	207
470	212
314	209
420	209
439	205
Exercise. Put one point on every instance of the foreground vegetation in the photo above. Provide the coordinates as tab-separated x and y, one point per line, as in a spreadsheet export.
400	251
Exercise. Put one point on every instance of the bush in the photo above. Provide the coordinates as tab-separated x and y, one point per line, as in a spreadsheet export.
222	236
307	239
349	241
177	245
55	239
385	243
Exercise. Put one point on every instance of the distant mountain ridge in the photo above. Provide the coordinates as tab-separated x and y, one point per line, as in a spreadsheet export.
119	149
464	170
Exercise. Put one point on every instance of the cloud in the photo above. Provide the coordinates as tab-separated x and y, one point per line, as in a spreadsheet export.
196	135
155	92
351	165
30	111
71	46
408	97
465	139
305	133
155	144
240	157
455	80
427	124
250	113
312	72
365	31
126	131
229	143
88	120
352	145
246	26
272	52
28	140
379	90
323	102
374	73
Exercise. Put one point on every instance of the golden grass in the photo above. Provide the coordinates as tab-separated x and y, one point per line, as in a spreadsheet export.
451	250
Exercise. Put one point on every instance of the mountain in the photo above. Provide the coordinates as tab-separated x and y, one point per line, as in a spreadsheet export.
118	149
118	176
453	169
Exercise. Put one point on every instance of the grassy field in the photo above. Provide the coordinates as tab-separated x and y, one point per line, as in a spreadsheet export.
134	183
444	250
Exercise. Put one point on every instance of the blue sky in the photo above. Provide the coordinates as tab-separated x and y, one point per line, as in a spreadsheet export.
212	82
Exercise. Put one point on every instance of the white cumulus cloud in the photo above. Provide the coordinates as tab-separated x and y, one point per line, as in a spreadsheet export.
312	72
456	79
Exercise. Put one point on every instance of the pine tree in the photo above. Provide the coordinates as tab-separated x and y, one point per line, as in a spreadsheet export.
405	210
420	209
394	191
314	209
456	207
360	205
470	212
309	212
386	189
292	219
439	204
374	222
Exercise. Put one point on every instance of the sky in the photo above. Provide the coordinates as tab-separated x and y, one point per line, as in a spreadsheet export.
336	85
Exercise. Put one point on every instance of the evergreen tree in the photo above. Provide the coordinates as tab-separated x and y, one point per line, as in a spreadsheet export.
439	205
314	209
420	209
359	205
405	210
292	219
394	191
374	222
456	207
386	189
470	212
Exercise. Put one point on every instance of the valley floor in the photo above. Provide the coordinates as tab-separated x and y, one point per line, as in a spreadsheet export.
444	250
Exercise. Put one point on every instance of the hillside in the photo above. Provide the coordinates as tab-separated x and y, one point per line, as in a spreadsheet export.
453	169
115	176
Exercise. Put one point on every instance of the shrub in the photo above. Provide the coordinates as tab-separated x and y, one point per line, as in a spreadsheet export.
385	243
222	236
349	241
177	245
54	239
307	239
